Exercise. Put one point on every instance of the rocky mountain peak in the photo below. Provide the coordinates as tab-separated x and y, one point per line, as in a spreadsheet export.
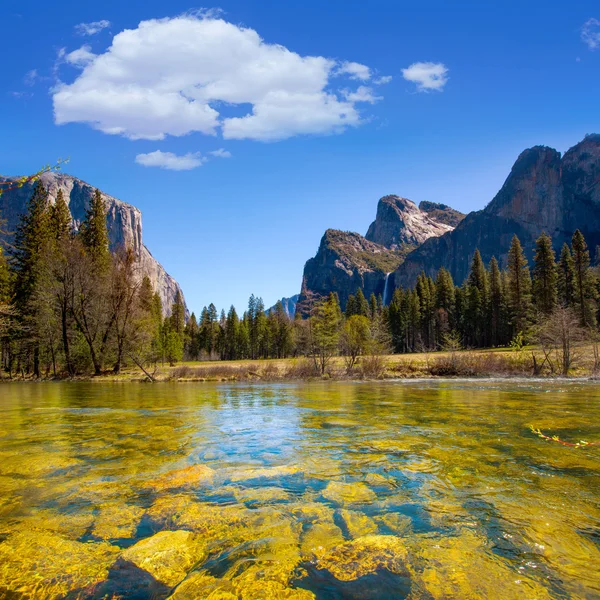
400	222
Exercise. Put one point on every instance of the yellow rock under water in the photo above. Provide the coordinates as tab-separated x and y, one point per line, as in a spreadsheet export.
201	586
357	523
116	521
39	564
463	567
349	493
263	472
260	495
365	555
182	478
320	538
168	555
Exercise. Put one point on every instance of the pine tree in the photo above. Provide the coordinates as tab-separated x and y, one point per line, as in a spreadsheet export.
444	303
426	293
497	309
478	300
566	277
33	233
413	320
397	319
519	288
325	331
60	218
544	275
361	304
94	233
192	338
350	306
178	315
231	334
584	284
373	312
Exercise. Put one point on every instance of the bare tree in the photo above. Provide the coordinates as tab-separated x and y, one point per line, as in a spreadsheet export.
562	334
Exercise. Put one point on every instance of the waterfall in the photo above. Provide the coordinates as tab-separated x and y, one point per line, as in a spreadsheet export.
385	288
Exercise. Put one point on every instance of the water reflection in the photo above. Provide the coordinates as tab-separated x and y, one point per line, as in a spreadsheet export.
350	490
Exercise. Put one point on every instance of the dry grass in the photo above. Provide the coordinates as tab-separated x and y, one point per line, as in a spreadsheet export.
497	362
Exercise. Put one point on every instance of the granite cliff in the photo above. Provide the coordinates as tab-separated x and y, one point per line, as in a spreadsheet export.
400	222
124	223
543	192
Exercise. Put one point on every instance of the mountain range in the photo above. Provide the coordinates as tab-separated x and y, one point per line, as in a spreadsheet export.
545	191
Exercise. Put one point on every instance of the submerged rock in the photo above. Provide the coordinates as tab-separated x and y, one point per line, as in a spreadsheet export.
211	520
349	493
116	521
39	564
168	556
365	555
463	567
202	586
320	538
263	472
182	478
260	495
358	524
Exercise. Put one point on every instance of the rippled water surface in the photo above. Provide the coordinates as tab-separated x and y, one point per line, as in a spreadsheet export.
327	491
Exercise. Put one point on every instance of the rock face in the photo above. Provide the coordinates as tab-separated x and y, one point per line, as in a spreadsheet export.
442	213
400	222
123	220
544	192
289	306
348	261
344	263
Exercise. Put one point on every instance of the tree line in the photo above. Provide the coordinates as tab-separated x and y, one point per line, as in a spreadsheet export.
70	306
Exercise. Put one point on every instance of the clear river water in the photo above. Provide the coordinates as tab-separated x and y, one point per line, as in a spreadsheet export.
431	489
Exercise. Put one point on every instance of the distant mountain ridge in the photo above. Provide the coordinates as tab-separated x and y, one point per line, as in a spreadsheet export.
347	261
543	192
124	223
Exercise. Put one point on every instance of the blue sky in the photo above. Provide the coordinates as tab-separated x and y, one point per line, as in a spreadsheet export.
328	136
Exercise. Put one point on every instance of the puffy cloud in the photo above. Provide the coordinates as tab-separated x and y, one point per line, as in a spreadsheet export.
590	33
91	28
362	94
221	153
382	80
80	57
197	73
355	71
427	75
171	161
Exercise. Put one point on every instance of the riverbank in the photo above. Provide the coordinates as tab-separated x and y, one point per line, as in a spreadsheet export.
496	362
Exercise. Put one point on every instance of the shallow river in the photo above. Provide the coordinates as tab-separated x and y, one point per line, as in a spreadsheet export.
327	491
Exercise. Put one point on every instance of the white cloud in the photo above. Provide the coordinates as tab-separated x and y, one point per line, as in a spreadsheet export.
382	80
31	77
590	33
221	153
355	71
362	94
171	161
91	28
427	75
175	76
81	57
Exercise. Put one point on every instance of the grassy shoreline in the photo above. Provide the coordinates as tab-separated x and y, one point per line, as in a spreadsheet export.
466	364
